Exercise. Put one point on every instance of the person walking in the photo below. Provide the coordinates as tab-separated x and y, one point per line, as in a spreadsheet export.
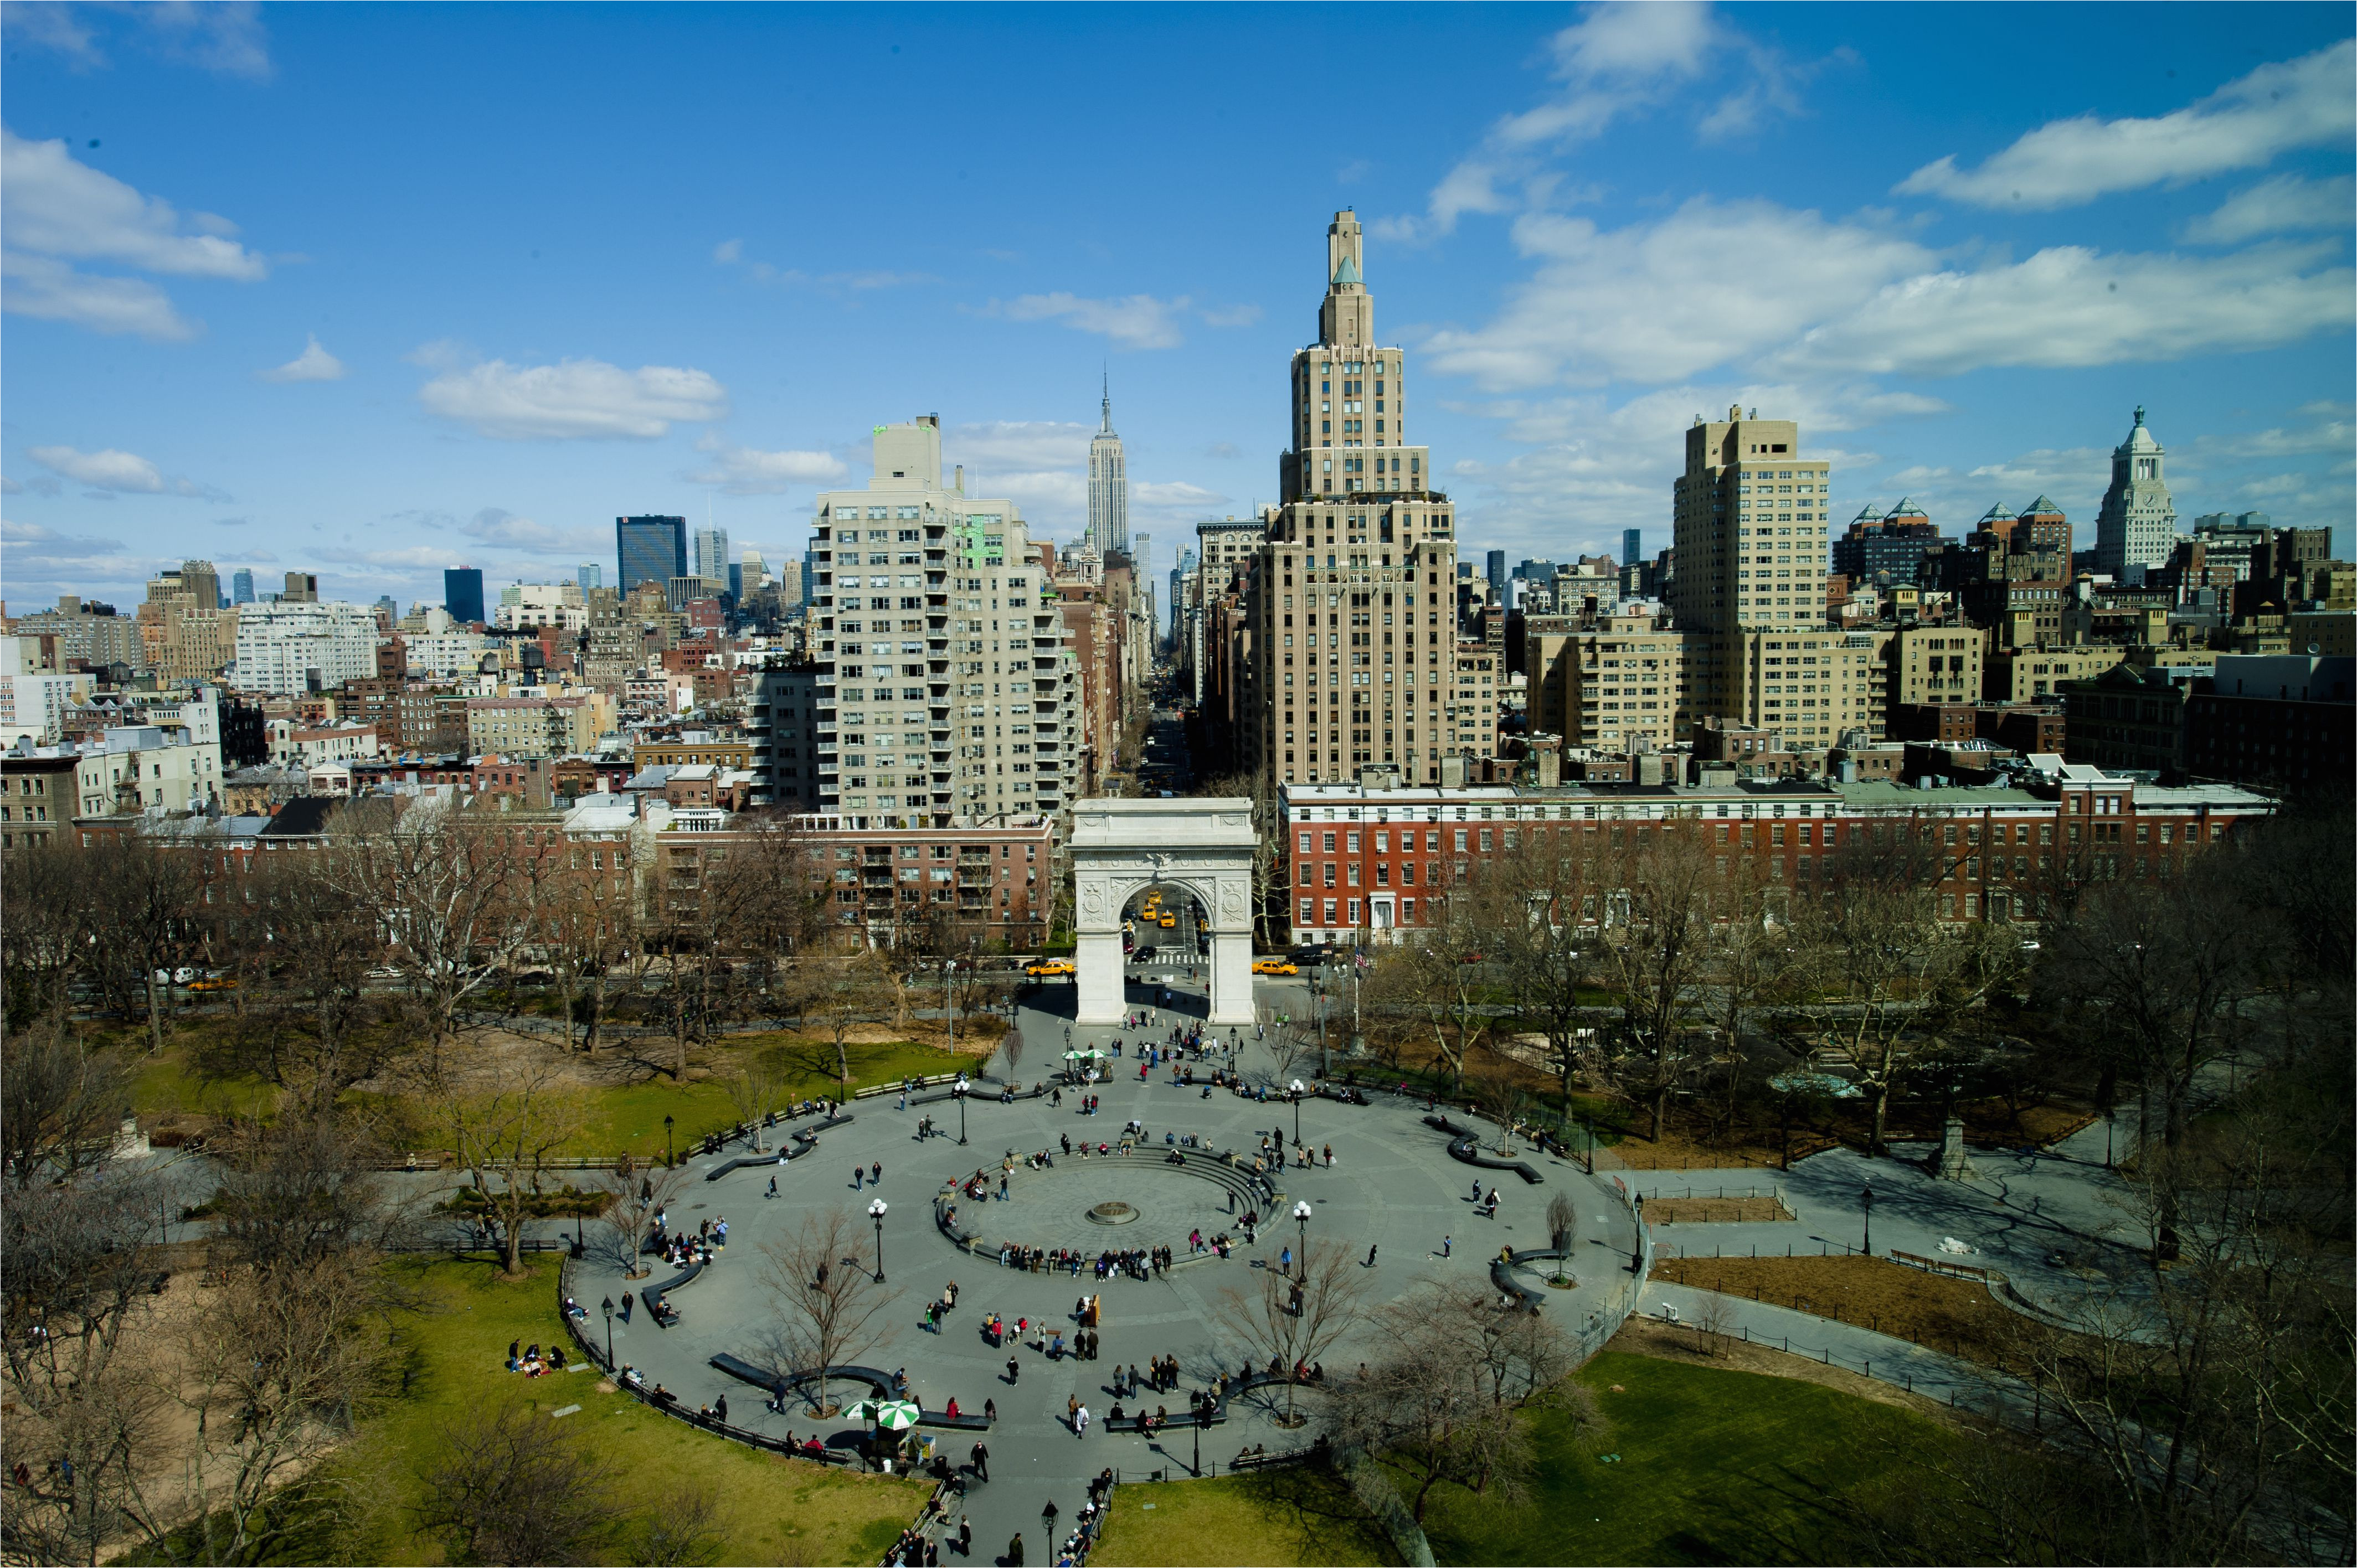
980	1458
1014	1551
1444	1246
773	1186
875	1174
1080	1422
1371	1252
1013	1371
1071	1408
965	1536
859	1174
626	1306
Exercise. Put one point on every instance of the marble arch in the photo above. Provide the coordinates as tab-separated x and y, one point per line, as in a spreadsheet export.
1204	845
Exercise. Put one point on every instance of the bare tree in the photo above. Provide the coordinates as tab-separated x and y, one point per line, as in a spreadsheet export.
1653	943
77	1261
280	1363
1011	1048
47	921
311	1028
443	886
840	993
1563	1221
1439	979
59	1101
507	1124
1442	1394
755	1091
830	1306
681	1530
1292	1321
637	1193
296	1193
1546	937
145	901
1885	974
505	1484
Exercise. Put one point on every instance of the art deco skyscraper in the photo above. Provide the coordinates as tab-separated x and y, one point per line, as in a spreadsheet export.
1352	661
2137	527
1108	487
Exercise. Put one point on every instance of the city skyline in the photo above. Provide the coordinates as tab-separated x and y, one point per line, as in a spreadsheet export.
220	353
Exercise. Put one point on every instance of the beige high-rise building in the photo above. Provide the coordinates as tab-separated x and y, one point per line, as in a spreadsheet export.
1609	683
1750	516
947	685
1350	657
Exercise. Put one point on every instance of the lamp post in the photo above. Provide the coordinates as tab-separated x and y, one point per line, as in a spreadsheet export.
949	1004
1202	1420
1296	1111
876	1212
610	1334
1866	1206
959	1095
1047	1527
1301	1221
667	1154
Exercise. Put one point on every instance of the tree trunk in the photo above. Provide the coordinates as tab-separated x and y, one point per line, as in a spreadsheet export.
156	1027
596	1011
1881	1117
1661	1106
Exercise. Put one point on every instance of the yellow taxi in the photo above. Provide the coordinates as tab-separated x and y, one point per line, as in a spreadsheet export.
1273	966
1049	968
1166	921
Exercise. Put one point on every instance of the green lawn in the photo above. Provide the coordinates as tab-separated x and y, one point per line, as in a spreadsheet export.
628	1119
1282	1519
1715	1465
770	1510
165	1086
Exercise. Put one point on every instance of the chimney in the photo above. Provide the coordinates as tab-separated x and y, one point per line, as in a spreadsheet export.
960	471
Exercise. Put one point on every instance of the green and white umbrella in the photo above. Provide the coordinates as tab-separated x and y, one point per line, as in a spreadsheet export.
1086	1053
892	1415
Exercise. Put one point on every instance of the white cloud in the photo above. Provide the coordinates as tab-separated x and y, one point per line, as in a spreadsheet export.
496	525
49	290
1658	302
1231	315
747	471
2245	124
1134	321
1616	62
731	254
113	472
1009	444
313	364
2287	204
577	399
1655	302
51	205
2070	306
223	37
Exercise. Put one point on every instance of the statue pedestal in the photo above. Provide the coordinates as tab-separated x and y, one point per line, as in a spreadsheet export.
1950	1163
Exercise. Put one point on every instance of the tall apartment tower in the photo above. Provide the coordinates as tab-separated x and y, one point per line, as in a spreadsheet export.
1108	485
1632	546
2137	527
1350	656
589	574
462	593
241	586
649	550
1749	519
945	690
712	554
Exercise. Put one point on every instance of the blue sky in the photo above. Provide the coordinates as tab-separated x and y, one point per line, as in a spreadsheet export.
368	290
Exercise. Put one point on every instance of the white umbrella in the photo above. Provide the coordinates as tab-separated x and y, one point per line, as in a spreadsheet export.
1085	1053
892	1415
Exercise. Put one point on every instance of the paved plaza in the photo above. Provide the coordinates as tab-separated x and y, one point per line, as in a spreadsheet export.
1393	1186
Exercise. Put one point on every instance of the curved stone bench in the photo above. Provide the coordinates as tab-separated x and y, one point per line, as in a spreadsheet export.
875	1378
654	1297
805	1141
1502	1274
1466	1145
977	1095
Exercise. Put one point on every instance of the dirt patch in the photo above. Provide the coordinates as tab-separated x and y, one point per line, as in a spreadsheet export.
1958	1317
1670	1342
1715	1210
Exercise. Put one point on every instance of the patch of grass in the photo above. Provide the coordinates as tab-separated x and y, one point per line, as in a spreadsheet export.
1280	1518
628	1119
1714	1466
168	1089
769	1509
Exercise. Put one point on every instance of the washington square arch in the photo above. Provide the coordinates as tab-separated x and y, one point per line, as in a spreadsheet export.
1203	847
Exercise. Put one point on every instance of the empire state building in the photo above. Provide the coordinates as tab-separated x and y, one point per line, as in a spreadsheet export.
1108	487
